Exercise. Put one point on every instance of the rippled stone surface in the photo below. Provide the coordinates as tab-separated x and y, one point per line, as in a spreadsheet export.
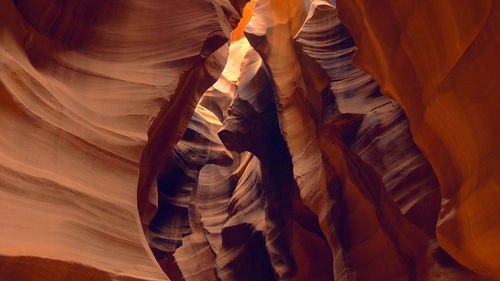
170	140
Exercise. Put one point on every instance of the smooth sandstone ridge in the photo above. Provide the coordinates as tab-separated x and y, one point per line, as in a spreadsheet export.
84	85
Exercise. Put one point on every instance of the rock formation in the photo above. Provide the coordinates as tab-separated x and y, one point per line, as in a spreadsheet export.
93	94
444	73
271	140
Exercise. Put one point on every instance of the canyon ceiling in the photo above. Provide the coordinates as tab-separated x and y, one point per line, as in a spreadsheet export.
199	140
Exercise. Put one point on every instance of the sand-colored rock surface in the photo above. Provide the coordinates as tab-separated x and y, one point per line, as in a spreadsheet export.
223	140
83	84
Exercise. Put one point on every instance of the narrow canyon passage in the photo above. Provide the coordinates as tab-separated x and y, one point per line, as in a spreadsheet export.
249	140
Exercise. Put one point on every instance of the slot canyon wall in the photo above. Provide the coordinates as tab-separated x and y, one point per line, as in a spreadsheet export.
223	140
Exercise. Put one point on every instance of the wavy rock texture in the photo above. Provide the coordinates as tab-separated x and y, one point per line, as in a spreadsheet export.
442	68
317	154
87	89
297	93
138	145
222	211
252	125
383	140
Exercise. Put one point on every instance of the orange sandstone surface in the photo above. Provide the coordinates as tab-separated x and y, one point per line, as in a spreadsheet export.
259	140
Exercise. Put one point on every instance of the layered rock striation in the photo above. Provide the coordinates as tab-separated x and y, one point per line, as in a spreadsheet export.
224	140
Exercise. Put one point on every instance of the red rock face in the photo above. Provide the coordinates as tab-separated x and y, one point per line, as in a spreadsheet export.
443	72
209	140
